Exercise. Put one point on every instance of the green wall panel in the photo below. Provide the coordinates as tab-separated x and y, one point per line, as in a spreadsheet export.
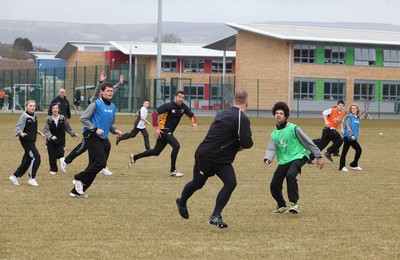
320	54
319	92
379	57
349	56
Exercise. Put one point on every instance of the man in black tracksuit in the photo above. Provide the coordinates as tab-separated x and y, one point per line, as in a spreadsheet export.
63	103
229	133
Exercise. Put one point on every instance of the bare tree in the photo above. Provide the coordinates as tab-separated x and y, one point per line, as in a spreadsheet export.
169	38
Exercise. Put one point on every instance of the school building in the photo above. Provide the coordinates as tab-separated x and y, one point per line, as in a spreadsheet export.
187	67
311	68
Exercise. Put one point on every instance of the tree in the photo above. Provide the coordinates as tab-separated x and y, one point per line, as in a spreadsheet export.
20	49
169	38
23	44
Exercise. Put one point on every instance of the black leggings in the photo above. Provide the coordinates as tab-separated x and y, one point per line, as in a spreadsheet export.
78	150
346	146
133	134
202	170
159	147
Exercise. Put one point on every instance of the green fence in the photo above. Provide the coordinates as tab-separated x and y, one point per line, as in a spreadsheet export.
209	97
42	85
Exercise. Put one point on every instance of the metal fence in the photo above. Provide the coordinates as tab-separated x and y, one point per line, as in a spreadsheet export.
216	95
43	84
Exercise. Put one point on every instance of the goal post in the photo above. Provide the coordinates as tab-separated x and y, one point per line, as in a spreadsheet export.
25	92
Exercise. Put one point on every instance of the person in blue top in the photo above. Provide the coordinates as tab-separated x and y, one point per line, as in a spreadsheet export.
98	122
81	148
291	145
350	138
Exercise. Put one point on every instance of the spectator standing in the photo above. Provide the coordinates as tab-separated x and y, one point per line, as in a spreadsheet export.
2	97
63	104
77	101
10	97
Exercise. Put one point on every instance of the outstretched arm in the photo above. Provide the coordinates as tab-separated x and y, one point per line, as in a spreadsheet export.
118	86
96	93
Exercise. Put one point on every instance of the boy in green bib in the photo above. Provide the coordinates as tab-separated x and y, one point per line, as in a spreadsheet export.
291	145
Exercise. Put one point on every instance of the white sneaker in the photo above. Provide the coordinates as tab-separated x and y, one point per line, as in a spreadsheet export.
358	168
176	173
14	180
63	164
344	169
106	171
78	196
52	173
131	161
78	186
33	182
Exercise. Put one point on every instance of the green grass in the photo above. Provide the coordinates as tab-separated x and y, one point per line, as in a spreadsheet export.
132	214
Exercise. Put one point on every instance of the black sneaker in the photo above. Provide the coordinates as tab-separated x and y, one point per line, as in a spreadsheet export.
336	154
182	210
217	220
328	156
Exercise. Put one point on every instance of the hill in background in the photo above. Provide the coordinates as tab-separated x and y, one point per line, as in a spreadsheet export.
54	35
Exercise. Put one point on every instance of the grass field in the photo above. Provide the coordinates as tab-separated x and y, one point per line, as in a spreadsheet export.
132	214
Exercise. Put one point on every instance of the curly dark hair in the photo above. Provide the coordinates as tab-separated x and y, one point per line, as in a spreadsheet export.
281	106
51	107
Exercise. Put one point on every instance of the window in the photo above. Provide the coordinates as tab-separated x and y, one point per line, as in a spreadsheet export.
165	91
168	65
364	90
194	92
335	55
217	66
94	49
334	89
391	58
364	57
391	91
304	88
194	65
304	53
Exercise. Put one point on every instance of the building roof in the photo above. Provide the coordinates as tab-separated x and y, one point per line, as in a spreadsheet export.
168	49
44	55
71	47
322	34
227	44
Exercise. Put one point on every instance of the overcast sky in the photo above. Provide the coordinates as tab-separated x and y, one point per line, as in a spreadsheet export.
236	11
